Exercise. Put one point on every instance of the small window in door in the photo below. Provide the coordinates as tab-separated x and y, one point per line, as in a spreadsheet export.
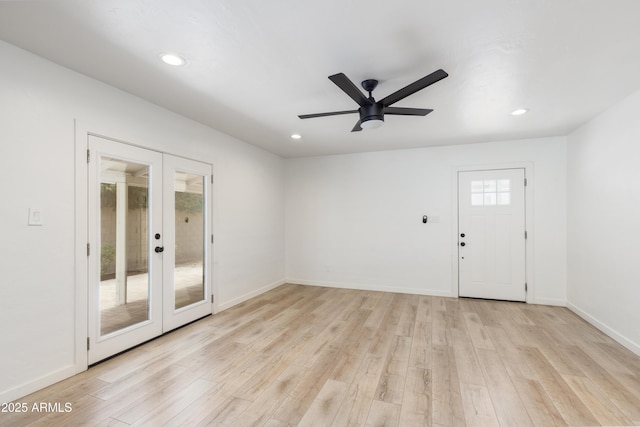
491	192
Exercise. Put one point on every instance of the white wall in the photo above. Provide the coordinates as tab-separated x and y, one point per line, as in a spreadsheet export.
603	181
38	104
355	220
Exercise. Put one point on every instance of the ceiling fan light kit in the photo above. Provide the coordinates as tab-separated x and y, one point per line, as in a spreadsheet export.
372	123
371	116
372	112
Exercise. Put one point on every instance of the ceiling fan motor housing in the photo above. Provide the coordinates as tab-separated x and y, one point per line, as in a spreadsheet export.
374	111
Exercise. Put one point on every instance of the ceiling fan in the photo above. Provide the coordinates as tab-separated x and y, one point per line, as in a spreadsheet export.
371	111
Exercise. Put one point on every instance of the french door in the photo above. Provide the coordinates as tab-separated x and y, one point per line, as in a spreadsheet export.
149	257
491	234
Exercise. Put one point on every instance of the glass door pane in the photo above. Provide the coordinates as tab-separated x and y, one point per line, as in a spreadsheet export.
187	225
124	272
188	274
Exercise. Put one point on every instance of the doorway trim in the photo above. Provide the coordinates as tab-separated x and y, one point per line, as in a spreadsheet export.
82	130
529	242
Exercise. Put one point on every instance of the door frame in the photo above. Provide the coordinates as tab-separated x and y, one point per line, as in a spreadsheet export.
82	130
528	212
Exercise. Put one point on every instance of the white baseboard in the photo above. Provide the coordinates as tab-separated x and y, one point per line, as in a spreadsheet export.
242	298
37	384
634	347
548	301
400	290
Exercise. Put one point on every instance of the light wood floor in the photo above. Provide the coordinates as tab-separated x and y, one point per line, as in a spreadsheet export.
301	355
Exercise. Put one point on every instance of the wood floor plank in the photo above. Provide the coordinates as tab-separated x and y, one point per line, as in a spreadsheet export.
537	402
466	359
383	414
312	355
628	402
303	394
599	405
265	405
508	407
478	409
354	409
408	318
630	382
621	354
423	311
570	406
393	376
420	356
110	422
478	332
416	402
386	332
355	340
199	409
454	315
603	358
172	376
539	338
223	412
447	399
439	330
325	406
379	310
175	403
514	361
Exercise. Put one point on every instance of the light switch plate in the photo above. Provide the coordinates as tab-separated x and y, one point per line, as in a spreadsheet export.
35	216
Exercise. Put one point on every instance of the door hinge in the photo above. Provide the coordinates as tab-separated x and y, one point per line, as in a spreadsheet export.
212	179
525	182
88	343
212	298
212	238
525	286
88	155
88	249
525	234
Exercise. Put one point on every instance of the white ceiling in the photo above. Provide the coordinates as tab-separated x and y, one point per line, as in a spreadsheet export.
254	65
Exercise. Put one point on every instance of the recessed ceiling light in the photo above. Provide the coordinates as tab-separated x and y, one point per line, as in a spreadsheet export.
519	112
173	59
296	136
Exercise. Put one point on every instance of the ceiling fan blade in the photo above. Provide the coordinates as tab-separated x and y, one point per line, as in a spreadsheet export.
350	89
399	111
357	127
333	113
414	87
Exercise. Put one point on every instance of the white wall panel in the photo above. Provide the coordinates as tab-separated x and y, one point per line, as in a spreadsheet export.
603	178
356	220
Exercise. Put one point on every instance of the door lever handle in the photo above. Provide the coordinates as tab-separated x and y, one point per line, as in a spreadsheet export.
159	249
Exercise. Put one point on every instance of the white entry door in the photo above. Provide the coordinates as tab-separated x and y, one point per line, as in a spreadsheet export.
491	234
149	218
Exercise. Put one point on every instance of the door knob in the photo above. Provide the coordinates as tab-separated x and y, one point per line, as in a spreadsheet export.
159	249
461	244
462	235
